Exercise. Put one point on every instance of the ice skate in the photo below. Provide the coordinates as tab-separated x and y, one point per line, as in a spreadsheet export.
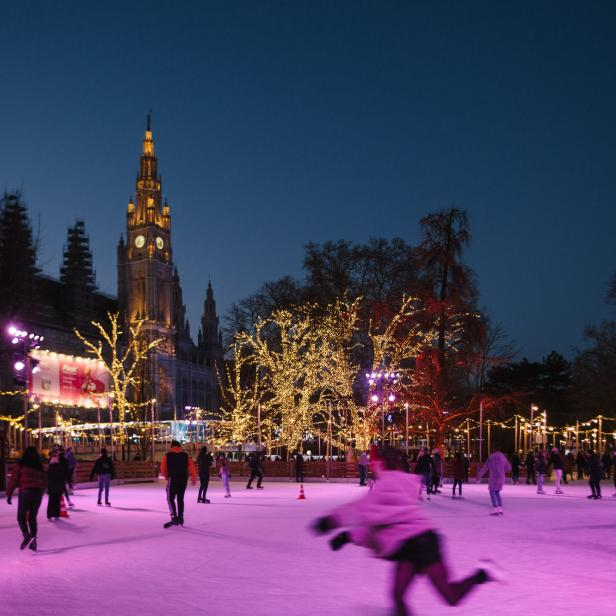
494	511
260	488
500	511
25	543
249	487
559	492
99	504
206	501
227	495
107	504
170	523
32	545
494	572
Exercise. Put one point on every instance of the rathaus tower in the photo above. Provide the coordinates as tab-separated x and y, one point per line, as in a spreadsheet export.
145	275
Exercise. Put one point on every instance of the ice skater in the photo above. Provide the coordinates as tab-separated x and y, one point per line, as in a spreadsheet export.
204	462
56	477
67	474
557	465
458	474
104	470
71	466
29	477
529	463
254	463
595	472
541	466
175	468
423	468
496	465
389	520
363	468
515	468
223	471
299	467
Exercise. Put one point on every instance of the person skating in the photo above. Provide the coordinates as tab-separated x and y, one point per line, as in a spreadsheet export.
580	462
363	468
56	478
496	465
299	467
254	463
541	467
204	462
29	478
529	463
223	466
437	470
515	468
595	472
67	474
606	461
424	468
458	474
614	467
176	466
390	521
557	465
104	470
71	466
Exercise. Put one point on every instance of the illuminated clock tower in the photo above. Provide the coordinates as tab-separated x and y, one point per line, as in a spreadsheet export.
145	275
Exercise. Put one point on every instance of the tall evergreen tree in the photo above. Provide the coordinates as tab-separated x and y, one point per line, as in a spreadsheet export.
18	251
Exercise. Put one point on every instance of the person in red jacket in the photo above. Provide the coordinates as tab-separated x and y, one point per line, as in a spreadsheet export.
29	478
175	468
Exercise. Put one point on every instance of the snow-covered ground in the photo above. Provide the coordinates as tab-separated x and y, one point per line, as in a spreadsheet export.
252	554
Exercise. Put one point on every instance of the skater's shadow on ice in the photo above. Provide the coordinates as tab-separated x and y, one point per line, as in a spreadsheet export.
590	527
140	509
68	548
69	526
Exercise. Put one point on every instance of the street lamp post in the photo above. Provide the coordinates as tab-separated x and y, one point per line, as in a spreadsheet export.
382	384
406	412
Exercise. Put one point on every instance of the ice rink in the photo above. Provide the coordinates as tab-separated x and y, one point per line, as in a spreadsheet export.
252	554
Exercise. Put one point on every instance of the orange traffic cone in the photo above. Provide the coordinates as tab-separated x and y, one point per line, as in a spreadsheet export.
63	511
301	496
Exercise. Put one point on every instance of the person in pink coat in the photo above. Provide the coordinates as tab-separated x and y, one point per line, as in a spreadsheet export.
389	520
497	466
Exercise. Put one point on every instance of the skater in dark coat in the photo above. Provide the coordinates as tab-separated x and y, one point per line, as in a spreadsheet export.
424	467
204	462
595	471
580	462
29	478
56	480
515	468
67	474
254	462
175	468
299	467
458	474
390	521
105	471
529	463
557	465
606	461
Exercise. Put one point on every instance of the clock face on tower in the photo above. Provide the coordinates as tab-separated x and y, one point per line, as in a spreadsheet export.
139	241
160	244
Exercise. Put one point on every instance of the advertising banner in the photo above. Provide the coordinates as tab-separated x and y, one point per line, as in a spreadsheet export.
69	380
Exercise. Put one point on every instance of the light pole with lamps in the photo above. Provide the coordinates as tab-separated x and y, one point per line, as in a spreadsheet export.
382	384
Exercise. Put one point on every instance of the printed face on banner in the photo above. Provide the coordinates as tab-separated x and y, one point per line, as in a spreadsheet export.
64	379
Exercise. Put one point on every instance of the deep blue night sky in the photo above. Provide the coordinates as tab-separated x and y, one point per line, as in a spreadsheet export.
277	123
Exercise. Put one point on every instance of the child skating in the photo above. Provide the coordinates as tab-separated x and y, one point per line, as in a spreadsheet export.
389	520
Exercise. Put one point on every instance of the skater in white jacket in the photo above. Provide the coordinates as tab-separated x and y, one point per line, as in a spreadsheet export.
390	521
